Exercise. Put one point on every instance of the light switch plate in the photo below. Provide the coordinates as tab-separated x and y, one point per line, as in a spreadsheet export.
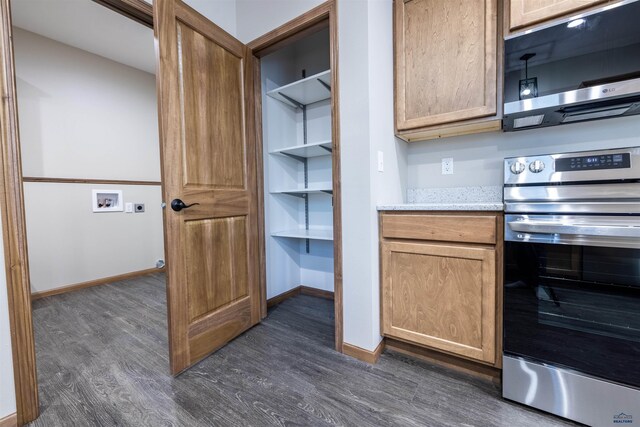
380	161
128	207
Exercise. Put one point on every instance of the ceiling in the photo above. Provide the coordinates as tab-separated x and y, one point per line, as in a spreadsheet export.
88	26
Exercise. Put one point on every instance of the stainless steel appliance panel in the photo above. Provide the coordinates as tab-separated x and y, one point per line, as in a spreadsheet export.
569	394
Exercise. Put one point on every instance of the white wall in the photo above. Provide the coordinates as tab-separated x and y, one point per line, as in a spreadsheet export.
478	159
84	116
257	17
366	122
7	389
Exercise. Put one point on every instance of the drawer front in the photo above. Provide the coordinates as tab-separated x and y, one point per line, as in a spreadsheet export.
445	228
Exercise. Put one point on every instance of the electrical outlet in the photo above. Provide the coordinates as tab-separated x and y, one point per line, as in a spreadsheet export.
380	161
139	207
447	166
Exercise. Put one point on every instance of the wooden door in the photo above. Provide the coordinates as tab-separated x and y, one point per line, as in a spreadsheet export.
527	12
441	296
206	111
446	61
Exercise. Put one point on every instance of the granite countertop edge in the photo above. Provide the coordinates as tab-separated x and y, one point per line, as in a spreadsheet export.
477	206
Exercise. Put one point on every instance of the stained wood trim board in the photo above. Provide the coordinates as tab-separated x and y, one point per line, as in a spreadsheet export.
14	233
367	356
88	181
83	285
304	290
9	421
303	25
138	10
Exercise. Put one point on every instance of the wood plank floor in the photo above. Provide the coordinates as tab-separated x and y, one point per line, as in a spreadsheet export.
102	361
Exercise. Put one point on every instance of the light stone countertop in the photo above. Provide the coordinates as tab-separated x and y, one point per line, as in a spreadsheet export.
488	198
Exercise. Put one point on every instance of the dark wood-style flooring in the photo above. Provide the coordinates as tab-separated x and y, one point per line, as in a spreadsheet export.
102	361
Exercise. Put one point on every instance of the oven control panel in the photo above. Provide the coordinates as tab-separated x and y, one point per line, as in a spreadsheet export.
600	165
603	161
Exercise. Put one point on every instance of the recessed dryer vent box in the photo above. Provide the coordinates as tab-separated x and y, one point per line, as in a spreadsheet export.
107	201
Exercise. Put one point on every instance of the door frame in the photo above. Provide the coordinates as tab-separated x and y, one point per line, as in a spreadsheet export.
322	16
12	210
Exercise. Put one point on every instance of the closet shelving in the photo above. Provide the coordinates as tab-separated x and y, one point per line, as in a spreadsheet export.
312	149
300	94
308	90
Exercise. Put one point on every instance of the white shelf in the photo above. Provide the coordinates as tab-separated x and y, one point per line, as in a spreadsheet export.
301	191
305	91
314	149
305	234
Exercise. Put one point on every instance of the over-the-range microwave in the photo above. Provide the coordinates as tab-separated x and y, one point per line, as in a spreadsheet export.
585	67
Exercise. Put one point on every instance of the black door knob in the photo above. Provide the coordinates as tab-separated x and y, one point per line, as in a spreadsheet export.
177	205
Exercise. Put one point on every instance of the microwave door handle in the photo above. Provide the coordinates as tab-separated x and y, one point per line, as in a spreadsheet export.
554	227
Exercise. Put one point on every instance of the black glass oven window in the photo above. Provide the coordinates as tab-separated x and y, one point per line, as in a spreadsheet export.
574	306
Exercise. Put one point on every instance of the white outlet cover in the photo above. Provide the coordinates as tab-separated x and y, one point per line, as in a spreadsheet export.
447	166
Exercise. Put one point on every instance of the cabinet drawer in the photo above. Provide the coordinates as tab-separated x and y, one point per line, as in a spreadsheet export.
446	227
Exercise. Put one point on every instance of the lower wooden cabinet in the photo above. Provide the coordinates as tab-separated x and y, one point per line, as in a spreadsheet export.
443	295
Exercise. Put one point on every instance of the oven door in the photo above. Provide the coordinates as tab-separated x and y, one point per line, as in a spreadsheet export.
568	300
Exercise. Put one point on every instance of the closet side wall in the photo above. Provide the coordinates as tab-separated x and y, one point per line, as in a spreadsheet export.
84	116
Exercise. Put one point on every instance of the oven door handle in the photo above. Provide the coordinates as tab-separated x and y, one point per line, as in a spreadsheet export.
586	229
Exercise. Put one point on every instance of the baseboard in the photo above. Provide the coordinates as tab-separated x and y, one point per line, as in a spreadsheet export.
315	292
9	421
83	285
362	354
283	297
476	369
305	290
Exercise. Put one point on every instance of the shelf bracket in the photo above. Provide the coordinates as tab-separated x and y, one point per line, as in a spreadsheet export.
326	86
300	195
291	100
293	156
329	149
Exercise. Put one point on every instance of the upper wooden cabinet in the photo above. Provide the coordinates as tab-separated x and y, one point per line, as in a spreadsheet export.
523	13
446	67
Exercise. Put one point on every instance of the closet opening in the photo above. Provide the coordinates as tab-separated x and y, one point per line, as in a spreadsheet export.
300	161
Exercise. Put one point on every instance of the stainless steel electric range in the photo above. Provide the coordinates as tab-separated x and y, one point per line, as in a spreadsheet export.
572	285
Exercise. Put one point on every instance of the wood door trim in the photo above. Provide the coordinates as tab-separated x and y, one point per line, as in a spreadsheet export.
138	10
91	283
362	354
14	232
13	214
292	31
264	45
88	181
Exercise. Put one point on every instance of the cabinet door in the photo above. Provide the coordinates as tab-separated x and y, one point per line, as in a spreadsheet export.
527	12
441	296
445	61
